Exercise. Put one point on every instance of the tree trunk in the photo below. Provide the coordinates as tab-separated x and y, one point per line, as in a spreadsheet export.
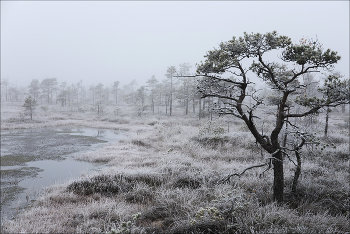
166	107
171	104
285	138
297	172
200	109
326	127
278	180
193	105
186	112
187	100
285	134
171	97
152	105
204	101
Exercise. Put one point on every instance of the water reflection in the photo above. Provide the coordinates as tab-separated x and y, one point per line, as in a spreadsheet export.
33	159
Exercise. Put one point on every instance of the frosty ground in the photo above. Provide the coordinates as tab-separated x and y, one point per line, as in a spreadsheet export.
166	178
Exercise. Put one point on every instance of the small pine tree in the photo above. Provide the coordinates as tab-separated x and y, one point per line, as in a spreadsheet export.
29	105
334	89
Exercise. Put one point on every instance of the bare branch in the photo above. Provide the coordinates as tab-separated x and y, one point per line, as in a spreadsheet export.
312	111
255	166
274	153
240	174
284	152
268	168
271	73
226	80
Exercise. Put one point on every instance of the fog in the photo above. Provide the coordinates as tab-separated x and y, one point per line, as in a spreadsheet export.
103	42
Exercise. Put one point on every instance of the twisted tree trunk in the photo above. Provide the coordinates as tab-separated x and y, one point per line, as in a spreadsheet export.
278	178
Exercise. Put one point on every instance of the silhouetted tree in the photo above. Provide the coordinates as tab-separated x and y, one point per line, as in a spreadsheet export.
152	84
48	85
171	73
333	89
5	83
184	91
297	59
29	105
115	91
34	88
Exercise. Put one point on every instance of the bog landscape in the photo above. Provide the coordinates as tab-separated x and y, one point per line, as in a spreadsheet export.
210	152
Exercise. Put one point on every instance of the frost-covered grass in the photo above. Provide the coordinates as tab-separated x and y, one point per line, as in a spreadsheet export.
164	178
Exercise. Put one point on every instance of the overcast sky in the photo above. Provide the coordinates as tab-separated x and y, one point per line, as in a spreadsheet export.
103	42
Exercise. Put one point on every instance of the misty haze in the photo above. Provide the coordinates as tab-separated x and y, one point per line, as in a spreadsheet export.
175	117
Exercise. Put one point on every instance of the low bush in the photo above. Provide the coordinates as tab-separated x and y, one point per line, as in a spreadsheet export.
140	143
187	182
216	141
102	184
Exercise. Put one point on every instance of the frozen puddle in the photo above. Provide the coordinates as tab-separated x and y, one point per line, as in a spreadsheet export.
34	159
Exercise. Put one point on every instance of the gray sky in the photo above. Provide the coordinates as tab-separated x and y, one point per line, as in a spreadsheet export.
107	41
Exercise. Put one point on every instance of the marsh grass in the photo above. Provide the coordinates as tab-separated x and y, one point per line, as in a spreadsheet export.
165	178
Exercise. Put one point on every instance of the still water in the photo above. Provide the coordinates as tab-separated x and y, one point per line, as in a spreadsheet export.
36	158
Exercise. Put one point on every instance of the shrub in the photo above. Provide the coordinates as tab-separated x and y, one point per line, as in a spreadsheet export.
186	182
102	184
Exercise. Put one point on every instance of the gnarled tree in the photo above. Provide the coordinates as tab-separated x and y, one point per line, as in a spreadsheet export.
225	77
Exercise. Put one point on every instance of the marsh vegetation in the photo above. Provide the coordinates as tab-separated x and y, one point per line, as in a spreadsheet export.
166	177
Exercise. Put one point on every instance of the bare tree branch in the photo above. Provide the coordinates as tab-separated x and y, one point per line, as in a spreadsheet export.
240	174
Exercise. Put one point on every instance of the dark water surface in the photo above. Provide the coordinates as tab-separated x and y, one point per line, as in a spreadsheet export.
36	158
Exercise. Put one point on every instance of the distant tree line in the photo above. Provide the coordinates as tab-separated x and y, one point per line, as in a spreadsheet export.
177	90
